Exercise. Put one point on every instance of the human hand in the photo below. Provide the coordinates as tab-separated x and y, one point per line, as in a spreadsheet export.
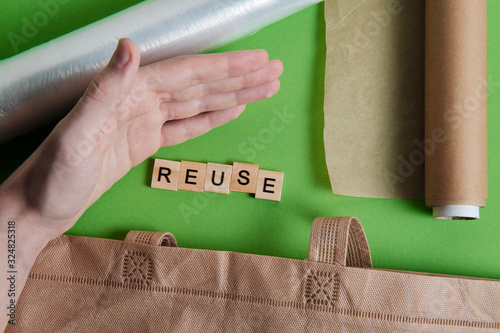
125	116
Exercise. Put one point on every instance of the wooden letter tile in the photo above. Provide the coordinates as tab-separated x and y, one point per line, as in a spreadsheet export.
218	178
192	176
244	178
269	185
166	174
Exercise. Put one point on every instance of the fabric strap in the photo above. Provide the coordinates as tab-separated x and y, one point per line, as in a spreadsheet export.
151	238
339	240
83	284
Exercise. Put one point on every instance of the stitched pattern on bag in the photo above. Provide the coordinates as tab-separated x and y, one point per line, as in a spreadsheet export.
321	288
137	268
266	301
144	237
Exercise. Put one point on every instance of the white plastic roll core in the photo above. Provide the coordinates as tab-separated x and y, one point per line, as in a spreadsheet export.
456	212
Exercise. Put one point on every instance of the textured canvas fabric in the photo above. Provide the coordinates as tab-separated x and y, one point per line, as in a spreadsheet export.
81	284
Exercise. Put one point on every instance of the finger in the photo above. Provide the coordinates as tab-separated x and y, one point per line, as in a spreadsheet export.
113	84
182	72
269	73
178	131
218	101
94	116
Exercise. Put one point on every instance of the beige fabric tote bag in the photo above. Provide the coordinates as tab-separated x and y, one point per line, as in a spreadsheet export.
148	284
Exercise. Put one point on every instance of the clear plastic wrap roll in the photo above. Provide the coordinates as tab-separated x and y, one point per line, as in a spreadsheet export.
38	85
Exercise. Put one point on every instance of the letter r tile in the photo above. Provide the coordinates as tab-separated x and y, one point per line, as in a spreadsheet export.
166	174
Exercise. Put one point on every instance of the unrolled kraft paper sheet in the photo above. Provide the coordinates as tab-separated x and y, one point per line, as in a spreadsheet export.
388	128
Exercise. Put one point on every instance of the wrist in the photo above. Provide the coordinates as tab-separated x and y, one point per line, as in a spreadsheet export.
28	223
21	241
27	197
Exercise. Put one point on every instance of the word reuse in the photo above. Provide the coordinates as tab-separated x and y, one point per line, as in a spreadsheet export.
218	178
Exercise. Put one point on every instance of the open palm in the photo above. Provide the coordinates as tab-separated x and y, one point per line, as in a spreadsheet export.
127	114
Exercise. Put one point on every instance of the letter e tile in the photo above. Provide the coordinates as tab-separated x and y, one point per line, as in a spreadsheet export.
192	176
269	185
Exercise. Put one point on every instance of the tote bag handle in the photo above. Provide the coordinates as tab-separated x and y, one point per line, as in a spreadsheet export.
339	240
151	238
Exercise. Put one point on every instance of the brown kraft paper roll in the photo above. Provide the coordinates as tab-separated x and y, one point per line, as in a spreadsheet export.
456	165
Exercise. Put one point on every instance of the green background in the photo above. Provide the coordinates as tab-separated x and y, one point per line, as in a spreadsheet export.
402	233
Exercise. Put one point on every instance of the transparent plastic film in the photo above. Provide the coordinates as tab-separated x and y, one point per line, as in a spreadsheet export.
39	85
